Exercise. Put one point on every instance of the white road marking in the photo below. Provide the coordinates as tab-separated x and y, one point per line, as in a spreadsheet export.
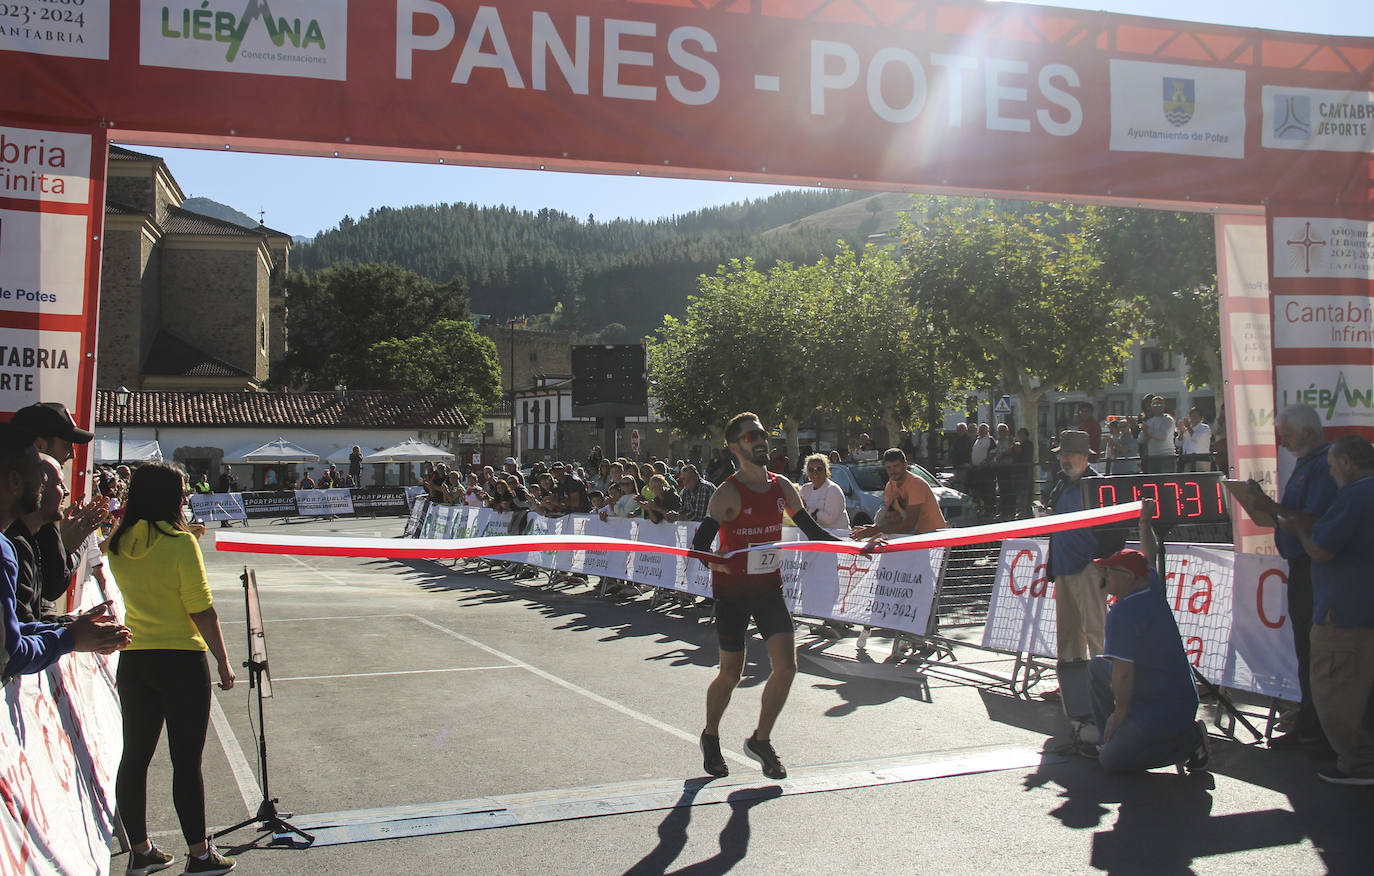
582	691
238	764
399	672
342	617
322	573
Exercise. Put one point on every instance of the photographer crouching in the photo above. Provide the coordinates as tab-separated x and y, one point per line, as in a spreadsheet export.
1143	697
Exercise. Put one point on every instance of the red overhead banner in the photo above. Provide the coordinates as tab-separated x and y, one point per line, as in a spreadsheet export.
888	93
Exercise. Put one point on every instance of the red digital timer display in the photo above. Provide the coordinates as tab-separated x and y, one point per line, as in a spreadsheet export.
1179	498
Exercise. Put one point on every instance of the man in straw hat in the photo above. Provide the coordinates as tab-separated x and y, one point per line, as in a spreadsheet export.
1080	603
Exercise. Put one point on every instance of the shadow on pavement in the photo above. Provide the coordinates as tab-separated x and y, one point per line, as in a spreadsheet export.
1164	822
734	837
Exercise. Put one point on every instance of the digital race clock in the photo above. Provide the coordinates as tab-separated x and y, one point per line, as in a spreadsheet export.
1183	497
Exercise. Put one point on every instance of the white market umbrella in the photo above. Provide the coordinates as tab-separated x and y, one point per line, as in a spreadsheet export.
106	450
273	452
410	450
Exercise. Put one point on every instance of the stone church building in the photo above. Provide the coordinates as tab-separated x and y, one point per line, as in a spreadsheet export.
187	301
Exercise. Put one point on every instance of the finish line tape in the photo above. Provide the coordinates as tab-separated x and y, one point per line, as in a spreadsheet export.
497	546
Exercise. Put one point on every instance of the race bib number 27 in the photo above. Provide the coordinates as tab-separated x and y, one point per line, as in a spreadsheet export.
763	562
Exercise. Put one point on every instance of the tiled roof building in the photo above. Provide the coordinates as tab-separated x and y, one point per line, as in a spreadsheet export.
371	410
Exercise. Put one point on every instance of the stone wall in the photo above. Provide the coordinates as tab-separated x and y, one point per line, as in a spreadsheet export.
534	354
128	306
213	299
132	191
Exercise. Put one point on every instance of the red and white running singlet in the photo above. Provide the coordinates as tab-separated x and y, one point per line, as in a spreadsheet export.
759	522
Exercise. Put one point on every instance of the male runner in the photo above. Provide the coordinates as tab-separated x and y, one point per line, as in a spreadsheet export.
747	509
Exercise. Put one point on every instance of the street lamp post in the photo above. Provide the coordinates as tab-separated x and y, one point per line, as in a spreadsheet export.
121	400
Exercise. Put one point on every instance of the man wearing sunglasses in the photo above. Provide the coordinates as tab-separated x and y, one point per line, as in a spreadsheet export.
747	509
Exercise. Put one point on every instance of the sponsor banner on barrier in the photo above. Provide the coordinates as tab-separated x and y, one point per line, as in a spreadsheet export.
1261	657
1022	613
321	503
278	503
419	513
655	569
218	506
390	500
1229	609
60	744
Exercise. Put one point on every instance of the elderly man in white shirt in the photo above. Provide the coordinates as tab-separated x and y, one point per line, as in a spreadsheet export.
1158	433
823	498
1195	442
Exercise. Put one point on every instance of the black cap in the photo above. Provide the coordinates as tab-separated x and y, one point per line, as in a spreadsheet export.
49	420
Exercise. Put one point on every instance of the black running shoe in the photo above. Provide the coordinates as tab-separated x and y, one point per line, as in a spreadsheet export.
711	759
762	751
1202	751
213	864
151	861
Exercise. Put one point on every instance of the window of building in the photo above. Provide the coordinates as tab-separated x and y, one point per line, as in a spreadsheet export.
488	429
262	333
1065	416
548	407
1154	360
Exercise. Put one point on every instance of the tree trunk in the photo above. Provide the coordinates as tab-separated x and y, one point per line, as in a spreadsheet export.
1029	401
893	428
793	428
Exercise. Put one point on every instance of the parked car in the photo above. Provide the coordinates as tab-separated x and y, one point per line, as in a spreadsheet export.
863	485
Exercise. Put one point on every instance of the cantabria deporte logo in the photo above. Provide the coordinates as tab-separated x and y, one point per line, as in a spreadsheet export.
307	38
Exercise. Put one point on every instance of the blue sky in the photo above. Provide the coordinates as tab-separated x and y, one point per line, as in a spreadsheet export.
307	195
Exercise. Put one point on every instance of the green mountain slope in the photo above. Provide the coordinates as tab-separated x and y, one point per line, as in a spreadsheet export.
624	271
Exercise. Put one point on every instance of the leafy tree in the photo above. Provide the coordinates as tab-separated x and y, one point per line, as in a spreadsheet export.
1022	294
343	311
449	357
787	341
1167	262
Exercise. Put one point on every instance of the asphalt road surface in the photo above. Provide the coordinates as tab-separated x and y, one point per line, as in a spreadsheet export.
429	719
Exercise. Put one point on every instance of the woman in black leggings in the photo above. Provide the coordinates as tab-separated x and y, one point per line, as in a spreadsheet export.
163	677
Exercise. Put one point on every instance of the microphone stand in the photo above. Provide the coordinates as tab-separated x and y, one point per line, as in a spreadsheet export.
268	818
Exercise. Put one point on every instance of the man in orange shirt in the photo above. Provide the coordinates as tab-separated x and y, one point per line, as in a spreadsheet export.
909	505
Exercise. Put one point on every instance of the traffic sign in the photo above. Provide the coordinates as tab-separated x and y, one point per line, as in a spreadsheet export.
1003	405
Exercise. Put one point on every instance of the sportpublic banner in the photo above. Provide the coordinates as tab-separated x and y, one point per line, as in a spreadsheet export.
60	743
324	503
1230	609
1000	98
341	502
218	506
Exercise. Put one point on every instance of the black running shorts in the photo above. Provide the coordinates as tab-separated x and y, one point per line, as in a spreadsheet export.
768	610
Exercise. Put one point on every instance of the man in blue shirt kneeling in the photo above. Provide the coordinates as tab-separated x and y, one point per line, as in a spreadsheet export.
1143	696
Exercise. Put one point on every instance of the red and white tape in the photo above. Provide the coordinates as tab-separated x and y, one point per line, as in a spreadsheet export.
497	546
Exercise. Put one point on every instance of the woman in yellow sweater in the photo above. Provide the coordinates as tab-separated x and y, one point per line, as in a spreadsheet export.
164	677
